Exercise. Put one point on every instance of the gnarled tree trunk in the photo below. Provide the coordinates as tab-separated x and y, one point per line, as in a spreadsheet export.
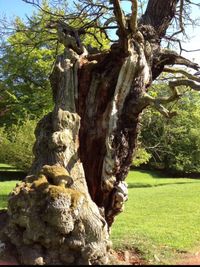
62	212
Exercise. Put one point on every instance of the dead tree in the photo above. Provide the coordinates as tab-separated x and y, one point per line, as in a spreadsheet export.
63	211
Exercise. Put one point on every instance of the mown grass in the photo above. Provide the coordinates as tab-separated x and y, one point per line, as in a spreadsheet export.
7	172
5	188
161	217
7	167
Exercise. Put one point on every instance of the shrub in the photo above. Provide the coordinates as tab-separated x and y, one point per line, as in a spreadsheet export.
141	157
16	144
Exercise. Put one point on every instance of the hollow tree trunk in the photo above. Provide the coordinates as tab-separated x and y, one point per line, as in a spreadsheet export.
62	212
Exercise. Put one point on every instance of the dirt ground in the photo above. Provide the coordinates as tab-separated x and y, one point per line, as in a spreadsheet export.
124	258
190	259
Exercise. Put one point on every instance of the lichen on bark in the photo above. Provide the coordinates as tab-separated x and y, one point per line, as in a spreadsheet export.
52	218
48	222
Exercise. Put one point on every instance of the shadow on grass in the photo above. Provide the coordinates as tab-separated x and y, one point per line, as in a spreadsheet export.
3	198
11	175
8	168
140	185
161	174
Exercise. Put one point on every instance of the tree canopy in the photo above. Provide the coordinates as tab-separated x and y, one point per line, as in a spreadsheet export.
93	25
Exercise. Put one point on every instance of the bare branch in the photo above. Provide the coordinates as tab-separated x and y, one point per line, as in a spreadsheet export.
191	81
133	19
182	71
158	102
181	26
186	82
120	18
168	57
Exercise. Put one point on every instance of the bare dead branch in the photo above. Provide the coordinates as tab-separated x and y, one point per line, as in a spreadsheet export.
168	57
120	18
158	102
183	72
133	19
186	82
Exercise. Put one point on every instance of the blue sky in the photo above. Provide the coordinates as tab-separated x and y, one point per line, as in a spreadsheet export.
12	8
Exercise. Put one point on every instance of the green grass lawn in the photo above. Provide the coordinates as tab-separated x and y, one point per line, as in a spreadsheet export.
7	167
5	189
7	172
161	217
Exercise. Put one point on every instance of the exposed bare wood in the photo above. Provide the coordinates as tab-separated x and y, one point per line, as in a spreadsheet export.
121	21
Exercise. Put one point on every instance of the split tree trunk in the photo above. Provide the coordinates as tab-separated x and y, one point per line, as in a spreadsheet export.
62	212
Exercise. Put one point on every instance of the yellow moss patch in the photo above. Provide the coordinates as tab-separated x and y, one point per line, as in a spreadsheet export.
41	181
30	178
56	191
54	171
56	175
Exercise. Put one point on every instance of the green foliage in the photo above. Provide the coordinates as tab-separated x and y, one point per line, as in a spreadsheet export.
16	144
174	143
27	59
25	66
141	157
161	216
99	42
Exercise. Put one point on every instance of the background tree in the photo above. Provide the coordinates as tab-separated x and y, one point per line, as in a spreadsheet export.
27	58
26	95
64	209
173	144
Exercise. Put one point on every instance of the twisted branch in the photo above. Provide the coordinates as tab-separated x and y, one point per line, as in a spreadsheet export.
183	72
158	102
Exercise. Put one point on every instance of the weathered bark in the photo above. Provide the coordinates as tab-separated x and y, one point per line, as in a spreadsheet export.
159	14
63	210
52	217
62	215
